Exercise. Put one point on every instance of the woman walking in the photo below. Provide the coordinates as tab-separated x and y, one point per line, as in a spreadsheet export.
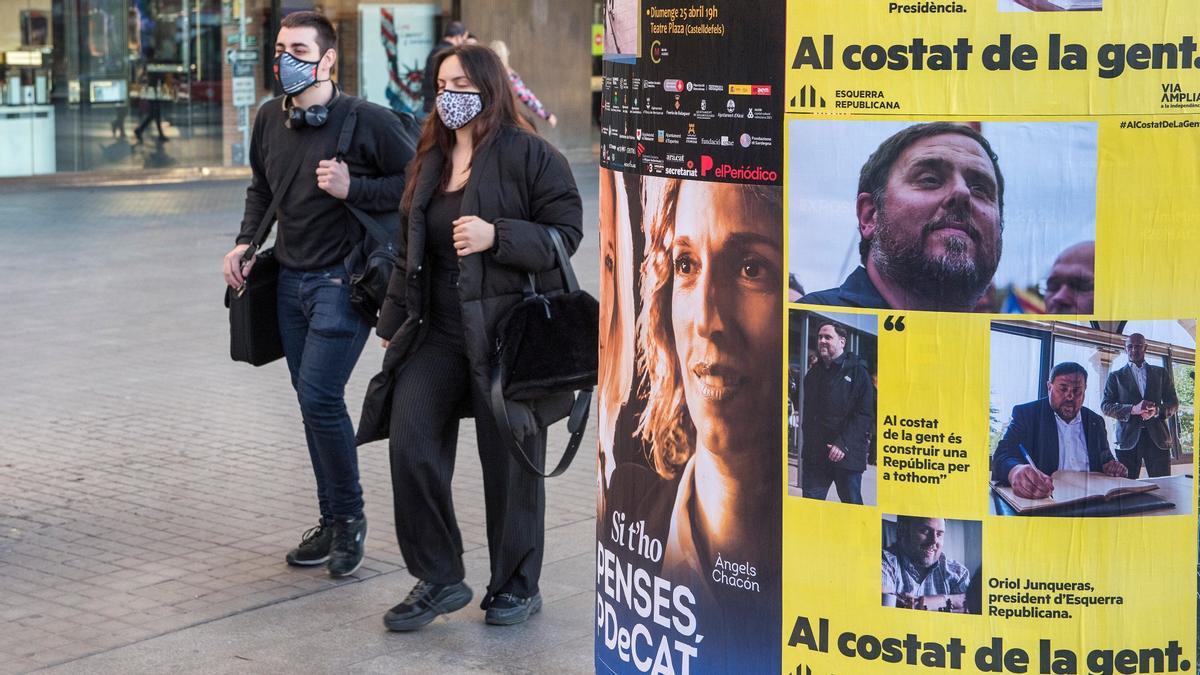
483	190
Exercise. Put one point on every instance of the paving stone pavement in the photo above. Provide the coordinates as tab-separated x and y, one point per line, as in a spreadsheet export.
149	486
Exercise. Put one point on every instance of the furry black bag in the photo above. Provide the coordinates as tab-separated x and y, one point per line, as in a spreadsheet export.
547	346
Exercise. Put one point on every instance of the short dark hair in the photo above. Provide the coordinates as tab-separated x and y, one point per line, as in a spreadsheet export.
908	522
1133	335
454	29
1068	368
326	35
794	283
874	175
837	328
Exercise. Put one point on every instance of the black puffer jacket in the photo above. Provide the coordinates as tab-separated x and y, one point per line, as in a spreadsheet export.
520	184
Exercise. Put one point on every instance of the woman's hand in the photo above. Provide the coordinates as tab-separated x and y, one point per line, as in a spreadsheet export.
472	234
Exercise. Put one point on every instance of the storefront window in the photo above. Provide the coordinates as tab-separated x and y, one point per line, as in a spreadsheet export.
137	83
104	85
97	85
26	118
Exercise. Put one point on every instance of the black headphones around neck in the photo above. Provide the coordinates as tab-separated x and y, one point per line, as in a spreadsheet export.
312	116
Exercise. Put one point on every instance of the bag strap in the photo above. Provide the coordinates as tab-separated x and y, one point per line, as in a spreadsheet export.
372	226
260	235
570	282
564	261
577	421
576	424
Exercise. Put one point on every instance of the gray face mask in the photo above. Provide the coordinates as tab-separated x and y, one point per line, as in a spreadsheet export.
294	75
458	108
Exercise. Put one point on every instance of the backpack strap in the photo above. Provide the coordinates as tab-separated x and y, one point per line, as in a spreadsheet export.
373	228
348	125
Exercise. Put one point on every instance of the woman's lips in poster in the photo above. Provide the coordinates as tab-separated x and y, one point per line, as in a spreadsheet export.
718	381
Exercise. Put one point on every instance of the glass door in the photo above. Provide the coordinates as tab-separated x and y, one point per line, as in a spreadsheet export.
137	84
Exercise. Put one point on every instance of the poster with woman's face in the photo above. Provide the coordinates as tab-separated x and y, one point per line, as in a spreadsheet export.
690	380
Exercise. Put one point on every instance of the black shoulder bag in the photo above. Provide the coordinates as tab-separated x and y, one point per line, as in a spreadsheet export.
253	321
371	262
547	345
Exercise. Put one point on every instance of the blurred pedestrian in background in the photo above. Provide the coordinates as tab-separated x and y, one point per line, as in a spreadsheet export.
454	35
519	89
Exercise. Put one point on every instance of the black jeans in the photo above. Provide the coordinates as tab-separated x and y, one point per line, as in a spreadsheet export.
433	387
322	339
816	479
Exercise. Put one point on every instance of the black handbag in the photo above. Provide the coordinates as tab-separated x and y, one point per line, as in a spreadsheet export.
547	347
370	265
371	262
253	321
253	317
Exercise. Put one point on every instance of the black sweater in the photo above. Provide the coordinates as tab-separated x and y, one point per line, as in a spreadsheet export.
315	229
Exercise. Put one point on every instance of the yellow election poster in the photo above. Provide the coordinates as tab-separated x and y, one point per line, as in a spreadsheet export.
990	334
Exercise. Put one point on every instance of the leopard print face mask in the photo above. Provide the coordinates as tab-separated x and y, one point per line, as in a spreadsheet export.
458	108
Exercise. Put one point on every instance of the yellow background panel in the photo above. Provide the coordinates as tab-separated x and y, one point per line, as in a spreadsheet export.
976	90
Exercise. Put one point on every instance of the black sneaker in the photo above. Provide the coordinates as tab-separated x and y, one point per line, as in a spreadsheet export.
425	602
346	552
508	609
313	548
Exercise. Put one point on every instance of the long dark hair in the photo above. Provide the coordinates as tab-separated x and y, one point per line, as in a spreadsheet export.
486	71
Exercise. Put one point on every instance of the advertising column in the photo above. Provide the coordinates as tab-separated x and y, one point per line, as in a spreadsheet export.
898	337
991	340
693	271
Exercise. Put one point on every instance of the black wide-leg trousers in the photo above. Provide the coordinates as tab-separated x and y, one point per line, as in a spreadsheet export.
432	388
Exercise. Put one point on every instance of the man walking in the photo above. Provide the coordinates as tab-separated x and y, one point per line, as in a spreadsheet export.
322	335
839	419
1141	397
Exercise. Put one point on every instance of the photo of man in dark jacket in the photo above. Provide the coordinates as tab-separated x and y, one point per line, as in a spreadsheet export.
1141	397
1053	433
839	419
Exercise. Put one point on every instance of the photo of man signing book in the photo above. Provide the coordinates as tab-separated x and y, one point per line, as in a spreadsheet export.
1051	434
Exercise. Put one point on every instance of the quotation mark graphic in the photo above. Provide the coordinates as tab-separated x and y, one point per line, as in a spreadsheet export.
895	323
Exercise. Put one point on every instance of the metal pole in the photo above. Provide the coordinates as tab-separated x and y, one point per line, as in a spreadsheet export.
187	59
242	45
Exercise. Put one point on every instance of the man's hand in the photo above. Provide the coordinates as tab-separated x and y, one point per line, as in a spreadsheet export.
836	454
235	271
1028	482
333	176
472	234
1115	469
1144	409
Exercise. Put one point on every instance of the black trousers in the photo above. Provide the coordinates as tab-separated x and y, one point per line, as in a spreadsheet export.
1158	460
431	389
